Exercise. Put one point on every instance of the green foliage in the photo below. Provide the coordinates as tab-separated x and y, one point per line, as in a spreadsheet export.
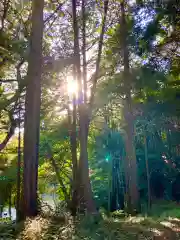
165	210
154	68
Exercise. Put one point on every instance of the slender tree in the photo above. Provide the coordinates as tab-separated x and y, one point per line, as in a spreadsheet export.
84	50
73	145
18	194
84	181
131	176
32	111
147	169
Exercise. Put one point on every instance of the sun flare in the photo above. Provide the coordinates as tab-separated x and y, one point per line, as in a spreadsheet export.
72	86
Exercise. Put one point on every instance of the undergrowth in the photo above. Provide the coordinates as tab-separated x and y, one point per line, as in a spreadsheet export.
163	222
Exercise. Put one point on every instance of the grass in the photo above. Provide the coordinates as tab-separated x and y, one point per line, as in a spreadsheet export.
164	209
163	222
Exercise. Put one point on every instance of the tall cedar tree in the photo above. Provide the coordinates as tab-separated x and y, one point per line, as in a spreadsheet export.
131	163
32	112
85	185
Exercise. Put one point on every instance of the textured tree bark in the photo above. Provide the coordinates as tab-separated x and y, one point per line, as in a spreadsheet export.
85	111
147	170
84	51
10	201
32	112
1	206
129	119
18	211
1	211
73	141
85	191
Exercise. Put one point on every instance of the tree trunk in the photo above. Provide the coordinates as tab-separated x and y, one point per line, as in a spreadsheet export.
72	121
168	132
18	193
84	52
1	207
85	191
131	168
128	117
85	185
10	201
110	184
66	196
147	171
85	111
73	142
32	112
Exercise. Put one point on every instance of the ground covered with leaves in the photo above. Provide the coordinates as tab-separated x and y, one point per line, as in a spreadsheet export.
162	223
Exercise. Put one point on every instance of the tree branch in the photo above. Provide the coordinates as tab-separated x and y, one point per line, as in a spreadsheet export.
55	11
10	132
7	80
96	74
5	11
55	166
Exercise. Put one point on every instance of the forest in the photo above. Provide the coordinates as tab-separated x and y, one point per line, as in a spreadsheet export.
90	119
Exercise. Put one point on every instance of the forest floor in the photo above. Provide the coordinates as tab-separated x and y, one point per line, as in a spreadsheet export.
162	223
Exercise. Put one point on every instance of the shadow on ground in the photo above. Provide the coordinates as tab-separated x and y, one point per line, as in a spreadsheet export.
110	229
158	226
